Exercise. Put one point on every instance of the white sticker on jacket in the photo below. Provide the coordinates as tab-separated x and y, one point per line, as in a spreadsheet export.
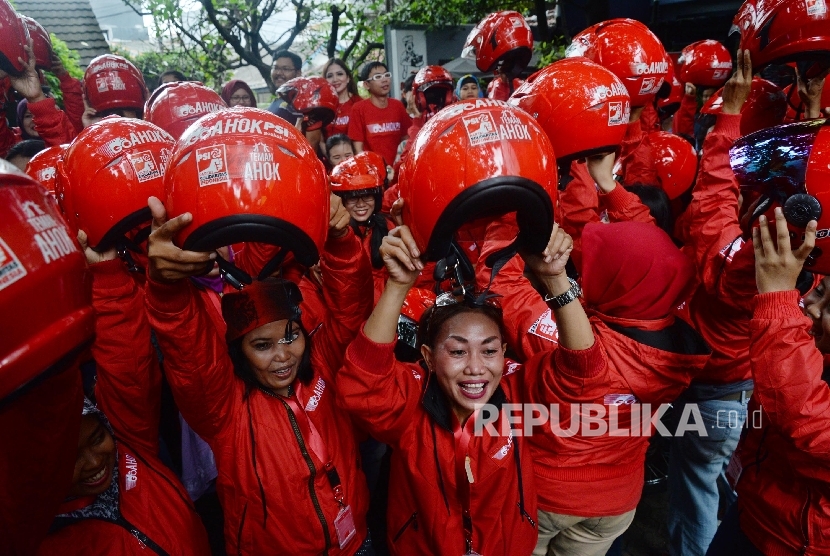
619	399
314	400
545	327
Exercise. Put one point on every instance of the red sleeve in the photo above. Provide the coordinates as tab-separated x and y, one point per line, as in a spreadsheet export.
725	262
649	120
787	369
390	196
381	394
128	389
357	126
191	336
567	376
684	118
51	123
578	206
349	294
528	322
73	100
624	206
636	162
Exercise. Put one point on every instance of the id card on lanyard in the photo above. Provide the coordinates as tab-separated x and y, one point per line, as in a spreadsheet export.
464	477
344	522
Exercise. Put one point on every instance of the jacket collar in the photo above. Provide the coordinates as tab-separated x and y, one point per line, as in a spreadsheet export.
437	405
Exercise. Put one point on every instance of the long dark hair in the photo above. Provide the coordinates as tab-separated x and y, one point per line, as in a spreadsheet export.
351	86
242	368
378	227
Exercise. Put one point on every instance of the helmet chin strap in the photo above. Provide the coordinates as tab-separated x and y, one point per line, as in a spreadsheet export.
456	268
238	278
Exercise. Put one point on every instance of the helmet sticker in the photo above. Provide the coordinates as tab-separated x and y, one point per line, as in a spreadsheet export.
212	165
615	113
816	7
650	85
481	129
11	270
145	166
50	236
46	174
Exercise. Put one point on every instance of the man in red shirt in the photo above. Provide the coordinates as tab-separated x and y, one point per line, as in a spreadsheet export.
378	123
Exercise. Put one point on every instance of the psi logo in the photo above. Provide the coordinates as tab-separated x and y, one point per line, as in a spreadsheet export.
10	268
481	129
816	7
212	164
145	166
615	113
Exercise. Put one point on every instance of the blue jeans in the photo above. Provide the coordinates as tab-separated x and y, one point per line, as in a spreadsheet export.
696	467
730	540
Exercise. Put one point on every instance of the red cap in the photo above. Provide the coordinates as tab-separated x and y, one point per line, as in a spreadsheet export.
705	64
583	107
784	31
630	50
112	82
474	159
502	40
765	106
246	175
174	106
107	174
675	160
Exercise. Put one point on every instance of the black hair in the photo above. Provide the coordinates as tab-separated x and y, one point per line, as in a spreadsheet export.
406	86
242	369
296	61
434	318
175	73
339	139
367	69
351	86
27	148
376	225
658	204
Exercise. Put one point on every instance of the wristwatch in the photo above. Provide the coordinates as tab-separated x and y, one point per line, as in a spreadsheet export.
559	301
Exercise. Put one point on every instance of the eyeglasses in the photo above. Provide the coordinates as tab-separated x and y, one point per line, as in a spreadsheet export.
354	200
283	69
379	76
240	98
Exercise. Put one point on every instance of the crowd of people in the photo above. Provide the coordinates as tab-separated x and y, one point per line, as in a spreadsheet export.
451	323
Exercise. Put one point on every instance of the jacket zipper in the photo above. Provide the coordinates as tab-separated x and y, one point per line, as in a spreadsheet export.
805	524
298	435
140	537
413	520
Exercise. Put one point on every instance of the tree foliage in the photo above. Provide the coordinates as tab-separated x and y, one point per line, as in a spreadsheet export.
193	63
70	60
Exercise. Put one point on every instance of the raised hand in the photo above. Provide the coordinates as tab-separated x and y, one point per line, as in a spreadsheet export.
92	256
401	257
736	90
338	217
777	266
28	84
551	262
168	263
601	168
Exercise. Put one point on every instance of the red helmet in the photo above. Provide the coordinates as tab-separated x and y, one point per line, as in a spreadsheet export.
765	106
41	42
246	175
789	165
630	50
675	160
417	301
112	82
705	64
14	37
314	97
174	106
45	300
474	159
363	174
583	107
43	167
671	102
433	90
784	30
503	41
107	174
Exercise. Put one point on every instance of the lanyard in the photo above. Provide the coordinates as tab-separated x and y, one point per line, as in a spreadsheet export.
464	474
315	442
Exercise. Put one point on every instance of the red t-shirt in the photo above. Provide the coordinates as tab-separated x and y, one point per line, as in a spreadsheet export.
379	129
341	118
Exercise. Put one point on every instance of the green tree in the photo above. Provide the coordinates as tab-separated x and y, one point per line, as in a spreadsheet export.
191	63
70	60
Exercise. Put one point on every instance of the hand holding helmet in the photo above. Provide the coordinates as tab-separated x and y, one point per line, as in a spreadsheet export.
401	257
338	217
93	256
777	265
810	92
736	90
168	263
550	263
601	168
28	83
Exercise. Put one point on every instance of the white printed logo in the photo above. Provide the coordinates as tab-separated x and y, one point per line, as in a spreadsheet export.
314	400
145	166
46	174
212	165
502	452
648	85
619	399
11	270
720	73
102	84
131	477
615	114
545	327
481	129
816	7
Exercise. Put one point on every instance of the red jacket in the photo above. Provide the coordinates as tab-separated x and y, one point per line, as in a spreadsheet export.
52	123
635	164
401	406
153	504
784	489
722	306
271	485
73	100
684	118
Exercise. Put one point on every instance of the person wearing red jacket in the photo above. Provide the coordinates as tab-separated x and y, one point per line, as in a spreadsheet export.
720	310
635	164
457	489
123	499
260	390
782	460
